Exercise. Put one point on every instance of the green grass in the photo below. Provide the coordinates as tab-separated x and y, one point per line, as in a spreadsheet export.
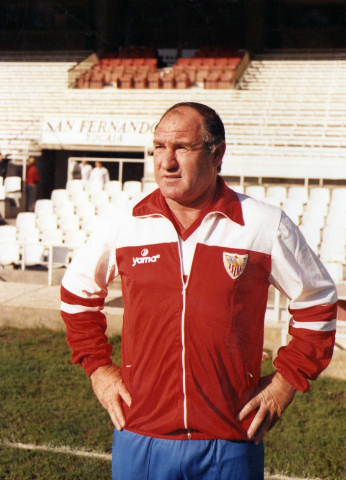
46	400
30	465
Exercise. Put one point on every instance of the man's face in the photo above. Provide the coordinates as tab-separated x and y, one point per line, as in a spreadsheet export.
184	170
98	164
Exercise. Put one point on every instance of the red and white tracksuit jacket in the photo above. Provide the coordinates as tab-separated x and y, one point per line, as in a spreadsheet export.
191	351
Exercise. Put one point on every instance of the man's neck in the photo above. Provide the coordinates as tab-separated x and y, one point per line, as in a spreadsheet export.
188	214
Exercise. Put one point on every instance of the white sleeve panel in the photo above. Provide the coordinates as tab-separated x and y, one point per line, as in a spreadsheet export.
94	267
297	272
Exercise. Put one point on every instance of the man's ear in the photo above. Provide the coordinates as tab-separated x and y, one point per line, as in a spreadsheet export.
218	154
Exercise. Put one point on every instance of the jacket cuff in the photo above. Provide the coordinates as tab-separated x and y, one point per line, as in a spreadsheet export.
90	365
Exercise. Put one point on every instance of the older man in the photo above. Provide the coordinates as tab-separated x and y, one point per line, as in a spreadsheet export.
196	261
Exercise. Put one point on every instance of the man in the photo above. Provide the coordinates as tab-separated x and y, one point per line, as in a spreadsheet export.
196	261
32	178
85	169
99	173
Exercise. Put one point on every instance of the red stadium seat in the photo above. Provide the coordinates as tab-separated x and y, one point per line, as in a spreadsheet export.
182	81
154	80
168	80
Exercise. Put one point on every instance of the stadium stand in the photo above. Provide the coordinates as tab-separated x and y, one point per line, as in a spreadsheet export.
284	121
220	71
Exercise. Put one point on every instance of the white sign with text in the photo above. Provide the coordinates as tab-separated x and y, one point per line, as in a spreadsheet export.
133	132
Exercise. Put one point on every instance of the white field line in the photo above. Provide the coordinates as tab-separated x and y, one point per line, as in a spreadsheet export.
66	450
104	456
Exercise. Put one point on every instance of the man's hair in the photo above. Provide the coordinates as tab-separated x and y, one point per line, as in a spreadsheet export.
214	130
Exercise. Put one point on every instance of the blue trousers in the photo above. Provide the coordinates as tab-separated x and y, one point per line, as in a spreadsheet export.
136	457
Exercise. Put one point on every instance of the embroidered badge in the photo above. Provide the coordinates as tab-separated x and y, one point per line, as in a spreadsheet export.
234	264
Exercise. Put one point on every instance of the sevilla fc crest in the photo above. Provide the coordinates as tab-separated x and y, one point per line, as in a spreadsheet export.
234	264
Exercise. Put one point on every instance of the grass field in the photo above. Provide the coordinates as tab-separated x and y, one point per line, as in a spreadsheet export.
44	400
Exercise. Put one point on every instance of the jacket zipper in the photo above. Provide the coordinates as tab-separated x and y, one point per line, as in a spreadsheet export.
183	323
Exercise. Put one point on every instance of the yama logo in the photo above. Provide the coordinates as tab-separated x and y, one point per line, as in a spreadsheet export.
145	258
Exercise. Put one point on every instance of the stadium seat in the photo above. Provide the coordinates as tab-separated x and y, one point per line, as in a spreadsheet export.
335	270
75	239
90	223
293	206
113	186
85	209
273	201
92	186
13	187
339	194
320	194
9	248
312	218
2	192
79	197
1	181
99	198
13	184
64	208
256	191
278	192
59	196
119	198
52	236
47	221
334	219
106	209
26	221
73	186
132	188
338	206
69	222
237	188
319	206
43	207
149	187
298	193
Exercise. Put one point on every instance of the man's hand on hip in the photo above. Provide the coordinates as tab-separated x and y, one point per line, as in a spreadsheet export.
272	396
107	383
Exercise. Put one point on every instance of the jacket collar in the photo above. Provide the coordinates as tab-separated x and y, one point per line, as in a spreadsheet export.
226	202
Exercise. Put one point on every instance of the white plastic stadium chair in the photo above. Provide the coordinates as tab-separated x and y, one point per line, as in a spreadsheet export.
273	201
320	193
312	236
278	192
113	186
74	186
52	236
106	209
9	248
64	208
298	193
26	220
119	198
256	191
313	218
69	222
237	188
43	207
339	194
47	221
2	192
1	181
93	186
334	219
85	209
149	187
13	186
99	198
59	196
79	197
133	188
90	223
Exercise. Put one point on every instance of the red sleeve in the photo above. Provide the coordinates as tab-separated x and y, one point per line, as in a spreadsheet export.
85	331
311	348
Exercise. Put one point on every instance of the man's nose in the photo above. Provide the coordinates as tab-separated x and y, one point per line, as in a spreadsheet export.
169	159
